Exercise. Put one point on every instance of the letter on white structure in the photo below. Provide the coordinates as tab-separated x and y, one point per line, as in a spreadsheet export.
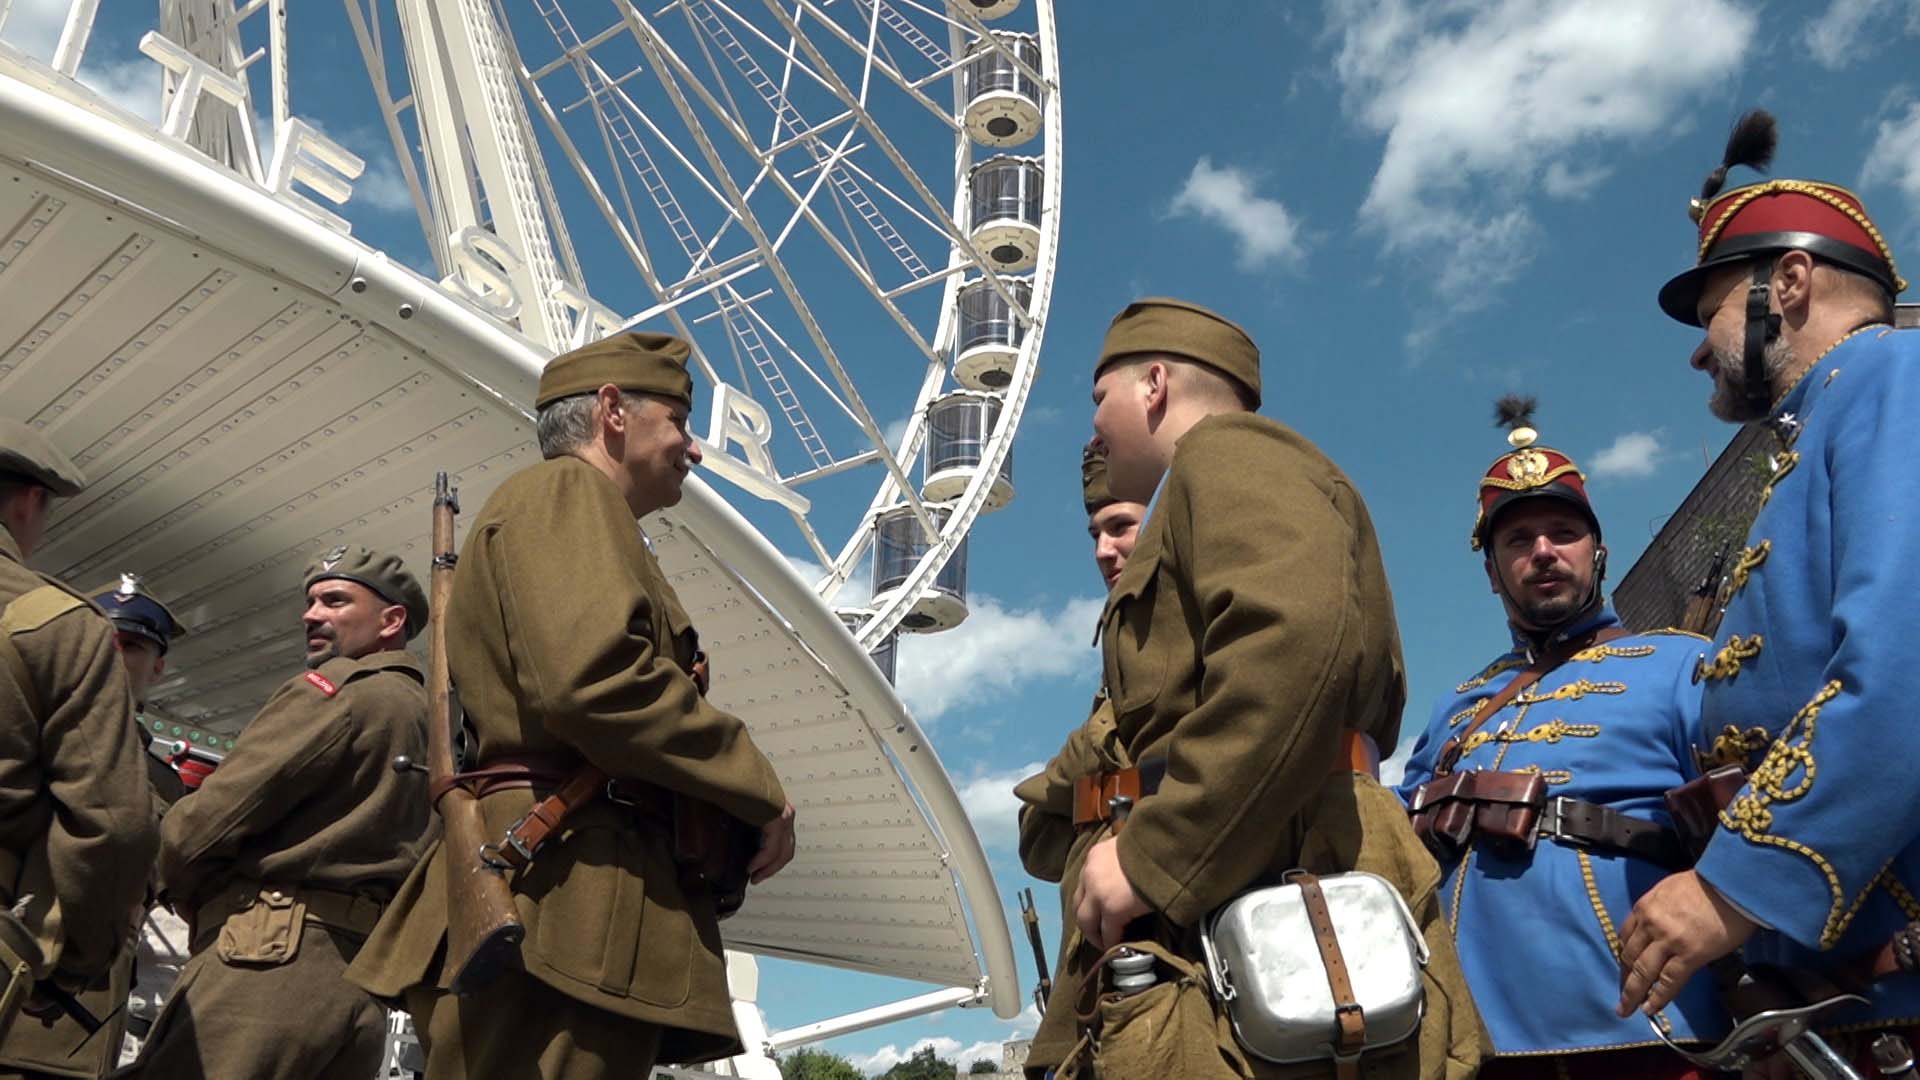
197	77
303	154
592	320
483	267
738	418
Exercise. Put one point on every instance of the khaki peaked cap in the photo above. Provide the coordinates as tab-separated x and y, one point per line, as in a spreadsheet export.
384	574
27	454
1159	324
1093	477
638	362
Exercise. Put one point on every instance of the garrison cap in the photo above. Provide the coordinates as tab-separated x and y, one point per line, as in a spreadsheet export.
638	362
1159	324
134	610
27	454
1093	476
384	574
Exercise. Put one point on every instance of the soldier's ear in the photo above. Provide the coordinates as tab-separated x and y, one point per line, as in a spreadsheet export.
1493	576
393	623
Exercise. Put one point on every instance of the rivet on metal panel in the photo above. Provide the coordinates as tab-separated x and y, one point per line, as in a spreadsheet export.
406	311
358	284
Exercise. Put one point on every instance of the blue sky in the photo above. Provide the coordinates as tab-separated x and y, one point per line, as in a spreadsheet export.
1413	209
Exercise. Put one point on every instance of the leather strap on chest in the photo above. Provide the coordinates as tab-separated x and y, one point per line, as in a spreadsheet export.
1451	749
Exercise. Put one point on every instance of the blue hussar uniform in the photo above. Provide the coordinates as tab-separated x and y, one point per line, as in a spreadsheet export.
1817	668
1814	677
1538	932
1540	785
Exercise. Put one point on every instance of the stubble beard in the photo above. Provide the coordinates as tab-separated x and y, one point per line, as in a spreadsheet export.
1730	401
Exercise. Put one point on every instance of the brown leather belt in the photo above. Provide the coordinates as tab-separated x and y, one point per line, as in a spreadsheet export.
1097	796
566	784
1510	811
350	912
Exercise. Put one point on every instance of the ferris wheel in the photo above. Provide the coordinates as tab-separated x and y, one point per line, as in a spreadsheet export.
850	208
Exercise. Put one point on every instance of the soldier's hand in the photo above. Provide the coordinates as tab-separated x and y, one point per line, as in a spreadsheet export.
1106	902
776	847
1680	926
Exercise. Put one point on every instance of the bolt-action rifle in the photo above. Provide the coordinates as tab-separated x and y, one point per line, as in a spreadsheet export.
483	930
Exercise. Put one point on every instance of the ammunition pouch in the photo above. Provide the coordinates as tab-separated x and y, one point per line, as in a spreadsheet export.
1509	813
260	924
712	849
1696	805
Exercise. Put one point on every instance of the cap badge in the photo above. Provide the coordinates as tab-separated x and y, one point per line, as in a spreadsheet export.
1527	466
333	557
130	587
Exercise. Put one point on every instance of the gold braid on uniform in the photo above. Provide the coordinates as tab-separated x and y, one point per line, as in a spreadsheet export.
1726	663
1744	564
1551	776
1596	653
1498	666
1574	691
1550	732
1735	747
1674	631
1782	464
1751	816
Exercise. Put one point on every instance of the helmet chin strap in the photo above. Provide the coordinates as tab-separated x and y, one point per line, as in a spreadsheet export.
1763	326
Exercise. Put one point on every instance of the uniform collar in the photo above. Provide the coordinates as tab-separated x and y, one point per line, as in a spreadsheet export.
1599	620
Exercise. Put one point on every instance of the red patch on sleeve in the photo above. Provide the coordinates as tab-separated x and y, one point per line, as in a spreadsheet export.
325	684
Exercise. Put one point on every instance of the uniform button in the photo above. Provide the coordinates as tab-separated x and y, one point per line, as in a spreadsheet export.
276	896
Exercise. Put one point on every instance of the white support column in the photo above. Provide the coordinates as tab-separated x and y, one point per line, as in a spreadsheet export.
503	152
73	36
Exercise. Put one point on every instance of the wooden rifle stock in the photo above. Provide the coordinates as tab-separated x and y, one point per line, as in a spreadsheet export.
483	929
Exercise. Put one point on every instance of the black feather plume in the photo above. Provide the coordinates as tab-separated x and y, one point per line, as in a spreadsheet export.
1751	143
1514	411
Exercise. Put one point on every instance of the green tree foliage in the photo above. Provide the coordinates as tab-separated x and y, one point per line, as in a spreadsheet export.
982	1066
810	1064
923	1065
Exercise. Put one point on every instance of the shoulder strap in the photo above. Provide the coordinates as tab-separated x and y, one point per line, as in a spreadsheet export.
1539	669
31	611
1350	1020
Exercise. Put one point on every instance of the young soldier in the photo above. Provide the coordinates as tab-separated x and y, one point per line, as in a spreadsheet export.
1562	750
568	646
1247	645
1817	860
282	859
1050	847
78	833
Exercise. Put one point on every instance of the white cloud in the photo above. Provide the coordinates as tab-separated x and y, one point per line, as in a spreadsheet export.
1895	157
33	26
944	1046
997	651
134	85
993	809
1847	30
1634	453
1263	229
1480	100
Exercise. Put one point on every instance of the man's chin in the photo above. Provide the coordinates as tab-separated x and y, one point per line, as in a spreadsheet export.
321	656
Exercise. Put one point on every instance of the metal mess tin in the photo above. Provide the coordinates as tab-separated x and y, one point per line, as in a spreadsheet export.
1267	970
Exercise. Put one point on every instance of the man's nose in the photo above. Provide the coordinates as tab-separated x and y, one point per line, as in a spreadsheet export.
693	451
1701	355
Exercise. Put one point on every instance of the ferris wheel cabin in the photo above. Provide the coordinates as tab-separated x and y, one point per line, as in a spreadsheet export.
989	333
1003	100
1004	222
958	428
898	544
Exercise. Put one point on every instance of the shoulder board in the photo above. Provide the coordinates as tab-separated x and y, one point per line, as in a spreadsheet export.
35	609
1673	631
325	685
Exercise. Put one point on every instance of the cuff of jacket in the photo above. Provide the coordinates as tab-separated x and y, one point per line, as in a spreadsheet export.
1161	890
1776	887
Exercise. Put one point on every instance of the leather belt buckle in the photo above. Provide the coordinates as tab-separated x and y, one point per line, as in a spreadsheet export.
612	795
1553	823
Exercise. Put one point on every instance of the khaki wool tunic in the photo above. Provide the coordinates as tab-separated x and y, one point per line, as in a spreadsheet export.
307	800
564	637
1253	623
75	813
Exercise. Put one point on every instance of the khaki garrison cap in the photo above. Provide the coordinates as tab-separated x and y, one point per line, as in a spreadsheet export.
1158	324
26	453
1093	477
384	574
637	362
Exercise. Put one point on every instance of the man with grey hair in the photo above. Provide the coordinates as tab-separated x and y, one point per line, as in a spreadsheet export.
571	650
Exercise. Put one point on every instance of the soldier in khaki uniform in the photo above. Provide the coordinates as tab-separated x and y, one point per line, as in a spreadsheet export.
1250	632
1050	847
282	859
568	646
76	827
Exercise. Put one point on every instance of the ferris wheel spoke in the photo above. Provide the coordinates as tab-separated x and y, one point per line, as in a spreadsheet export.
373	57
